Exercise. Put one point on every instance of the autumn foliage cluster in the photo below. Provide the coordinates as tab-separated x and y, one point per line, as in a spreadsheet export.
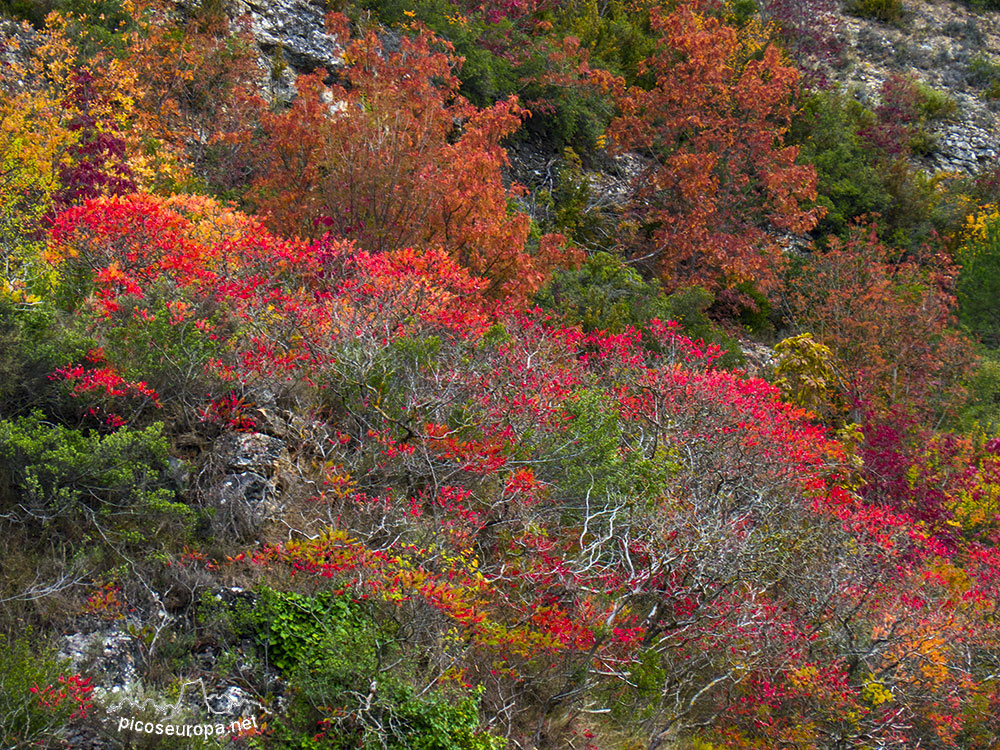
514	494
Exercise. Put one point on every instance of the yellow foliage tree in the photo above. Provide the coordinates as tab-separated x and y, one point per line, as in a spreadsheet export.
34	137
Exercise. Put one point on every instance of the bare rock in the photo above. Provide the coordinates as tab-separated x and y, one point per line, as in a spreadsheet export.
110	655
234	701
251	451
936	43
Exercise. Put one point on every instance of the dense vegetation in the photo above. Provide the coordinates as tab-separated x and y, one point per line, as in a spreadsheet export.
522	491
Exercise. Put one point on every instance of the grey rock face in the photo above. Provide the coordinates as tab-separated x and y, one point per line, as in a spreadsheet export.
251	451
233	701
965	147
292	38
297	26
247	494
114	654
936	43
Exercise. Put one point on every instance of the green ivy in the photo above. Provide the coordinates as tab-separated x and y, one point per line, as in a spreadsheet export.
292	628
334	653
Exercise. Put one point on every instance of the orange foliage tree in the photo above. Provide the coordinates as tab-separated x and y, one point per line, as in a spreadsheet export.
395	159
887	320
720	176
190	119
158	108
34	137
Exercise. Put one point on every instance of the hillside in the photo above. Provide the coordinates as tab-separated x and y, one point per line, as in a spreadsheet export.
467	376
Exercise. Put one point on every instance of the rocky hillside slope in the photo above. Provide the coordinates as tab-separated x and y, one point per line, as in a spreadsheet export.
949	47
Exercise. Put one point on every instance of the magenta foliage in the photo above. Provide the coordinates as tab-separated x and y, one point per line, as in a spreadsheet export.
909	468
898	114
97	163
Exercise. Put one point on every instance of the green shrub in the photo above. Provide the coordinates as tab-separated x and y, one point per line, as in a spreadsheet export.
617	34
984	73
858	177
921	206
923	142
983	405
886	11
984	4
107	14
614	36
34	342
933	104
373	708
574	114
978	288
849	184
588	461
52	469
740	12
23	722
604	294
33	11
83	485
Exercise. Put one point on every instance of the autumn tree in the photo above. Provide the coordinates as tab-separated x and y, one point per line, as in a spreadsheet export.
719	177
96	164
396	158
59	141
888	320
34	136
178	79
80	122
